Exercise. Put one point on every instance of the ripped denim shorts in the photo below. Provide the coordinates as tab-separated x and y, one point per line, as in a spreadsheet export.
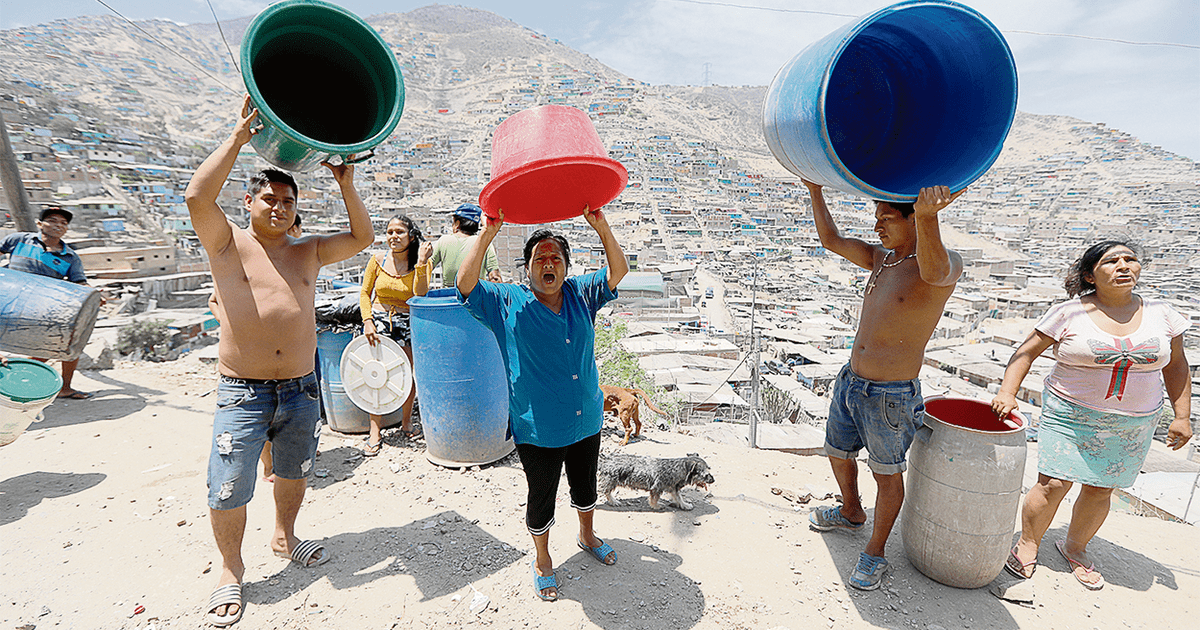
249	413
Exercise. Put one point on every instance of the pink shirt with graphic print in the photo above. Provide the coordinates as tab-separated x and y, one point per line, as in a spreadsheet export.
1105	372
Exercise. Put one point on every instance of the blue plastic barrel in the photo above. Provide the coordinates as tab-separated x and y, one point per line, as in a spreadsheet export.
43	317
461	383
341	413
917	94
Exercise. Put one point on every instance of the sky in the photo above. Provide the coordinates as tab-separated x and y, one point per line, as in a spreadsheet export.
1150	91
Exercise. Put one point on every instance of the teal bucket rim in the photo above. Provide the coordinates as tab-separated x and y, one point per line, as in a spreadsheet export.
264	109
54	383
860	26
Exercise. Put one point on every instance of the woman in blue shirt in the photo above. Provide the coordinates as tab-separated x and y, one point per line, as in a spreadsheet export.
555	407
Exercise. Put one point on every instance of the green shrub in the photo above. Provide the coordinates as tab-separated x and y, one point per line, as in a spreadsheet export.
150	338
618	367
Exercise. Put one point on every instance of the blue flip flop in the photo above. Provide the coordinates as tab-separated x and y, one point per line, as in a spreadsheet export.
600	553
543	582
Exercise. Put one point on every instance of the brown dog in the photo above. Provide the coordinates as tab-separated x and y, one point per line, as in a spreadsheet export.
624	403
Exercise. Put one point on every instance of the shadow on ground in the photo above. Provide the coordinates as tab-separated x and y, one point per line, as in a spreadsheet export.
19	494
1119	566
643	589
906	596
443	553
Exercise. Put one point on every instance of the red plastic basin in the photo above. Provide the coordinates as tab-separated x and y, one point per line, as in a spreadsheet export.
548	164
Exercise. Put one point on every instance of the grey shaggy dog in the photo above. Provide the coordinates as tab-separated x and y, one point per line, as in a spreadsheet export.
658	476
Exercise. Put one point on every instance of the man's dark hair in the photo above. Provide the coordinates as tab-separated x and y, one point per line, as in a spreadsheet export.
905	209
466	226
1075	283
414	239
267	176
541	235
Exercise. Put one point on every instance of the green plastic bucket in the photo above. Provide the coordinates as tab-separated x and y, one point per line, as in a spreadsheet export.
26	387
326	85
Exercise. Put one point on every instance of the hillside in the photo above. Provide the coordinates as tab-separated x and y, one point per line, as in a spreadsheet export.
145	91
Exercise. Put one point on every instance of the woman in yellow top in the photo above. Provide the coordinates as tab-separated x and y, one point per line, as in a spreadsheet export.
390	280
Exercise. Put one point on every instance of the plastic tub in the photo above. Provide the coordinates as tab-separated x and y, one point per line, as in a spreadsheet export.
916	94
325	84
26	388
547	165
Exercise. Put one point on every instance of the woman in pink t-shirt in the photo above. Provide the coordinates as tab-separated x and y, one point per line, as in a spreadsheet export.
1115	353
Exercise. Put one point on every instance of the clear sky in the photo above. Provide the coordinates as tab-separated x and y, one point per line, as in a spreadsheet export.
1151	91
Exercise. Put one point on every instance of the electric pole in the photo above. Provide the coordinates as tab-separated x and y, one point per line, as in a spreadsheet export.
14	189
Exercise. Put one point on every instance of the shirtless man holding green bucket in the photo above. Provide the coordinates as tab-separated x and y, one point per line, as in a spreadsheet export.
265	284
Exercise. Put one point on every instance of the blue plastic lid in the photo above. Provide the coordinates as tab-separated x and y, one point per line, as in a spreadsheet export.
26	380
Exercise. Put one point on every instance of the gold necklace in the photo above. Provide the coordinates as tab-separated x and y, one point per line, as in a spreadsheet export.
885	265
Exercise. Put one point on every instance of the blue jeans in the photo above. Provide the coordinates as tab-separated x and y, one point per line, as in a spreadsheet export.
250	412
883	416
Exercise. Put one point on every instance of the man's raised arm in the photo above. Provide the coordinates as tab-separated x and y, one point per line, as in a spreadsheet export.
336	247
855	250
939	266
209	222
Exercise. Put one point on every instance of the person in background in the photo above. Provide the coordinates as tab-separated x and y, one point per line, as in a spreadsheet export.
265	282
1116	353
877	401
546	333
451	248
391	278
45	254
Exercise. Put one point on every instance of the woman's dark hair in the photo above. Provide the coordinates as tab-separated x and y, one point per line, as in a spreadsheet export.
541	235
1076	283
466	226
415	237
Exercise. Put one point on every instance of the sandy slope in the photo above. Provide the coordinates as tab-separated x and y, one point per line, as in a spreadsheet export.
102	508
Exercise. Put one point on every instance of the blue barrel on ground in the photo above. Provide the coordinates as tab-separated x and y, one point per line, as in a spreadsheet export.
43	317
341	413
916	94
461	383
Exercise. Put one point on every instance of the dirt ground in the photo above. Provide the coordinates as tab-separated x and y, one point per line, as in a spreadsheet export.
103	514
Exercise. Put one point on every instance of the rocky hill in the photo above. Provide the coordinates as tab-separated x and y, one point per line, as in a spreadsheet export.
165	93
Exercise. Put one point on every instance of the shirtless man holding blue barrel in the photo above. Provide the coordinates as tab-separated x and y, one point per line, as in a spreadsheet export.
877	401
265	288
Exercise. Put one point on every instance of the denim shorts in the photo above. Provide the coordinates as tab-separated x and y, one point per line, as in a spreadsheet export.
883	416
250	412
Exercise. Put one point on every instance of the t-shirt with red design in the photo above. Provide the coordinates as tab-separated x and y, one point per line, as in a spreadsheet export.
1107	372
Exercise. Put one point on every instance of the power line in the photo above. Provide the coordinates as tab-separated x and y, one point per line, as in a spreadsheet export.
222	32
169	49
1022	32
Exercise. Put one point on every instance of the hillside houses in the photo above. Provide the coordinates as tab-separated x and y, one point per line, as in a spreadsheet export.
107	122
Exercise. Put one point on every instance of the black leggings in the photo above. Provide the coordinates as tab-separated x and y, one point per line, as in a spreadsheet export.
543	467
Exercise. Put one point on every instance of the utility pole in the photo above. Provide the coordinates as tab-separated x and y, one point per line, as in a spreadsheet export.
754	358
707	75
14	189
